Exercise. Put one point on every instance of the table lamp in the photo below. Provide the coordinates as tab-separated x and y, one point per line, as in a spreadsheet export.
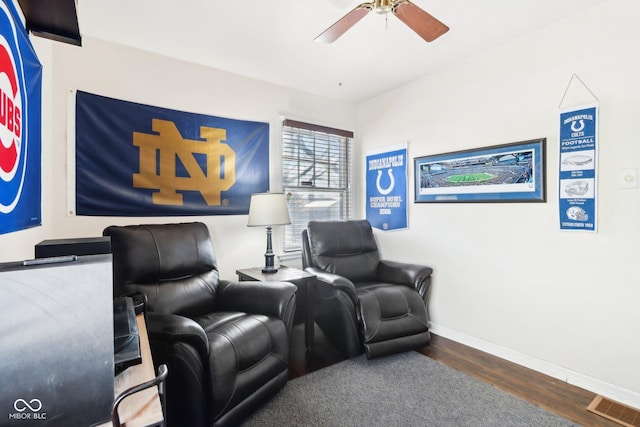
268	209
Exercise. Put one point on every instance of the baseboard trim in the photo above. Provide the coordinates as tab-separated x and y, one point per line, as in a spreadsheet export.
577	379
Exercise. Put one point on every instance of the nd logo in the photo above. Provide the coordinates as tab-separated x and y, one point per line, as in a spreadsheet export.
158	172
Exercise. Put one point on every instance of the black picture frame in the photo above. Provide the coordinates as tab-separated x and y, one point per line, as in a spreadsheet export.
514	172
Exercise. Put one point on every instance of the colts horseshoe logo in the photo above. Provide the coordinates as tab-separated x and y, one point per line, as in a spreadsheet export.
389	189
577	125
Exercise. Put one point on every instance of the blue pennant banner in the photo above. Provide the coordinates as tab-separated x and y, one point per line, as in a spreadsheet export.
139	160
387	189
578	168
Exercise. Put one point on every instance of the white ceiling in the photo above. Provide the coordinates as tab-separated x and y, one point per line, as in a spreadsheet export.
274	40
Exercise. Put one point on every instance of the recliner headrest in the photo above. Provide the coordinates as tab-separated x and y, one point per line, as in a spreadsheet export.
158	252
341	238
347	248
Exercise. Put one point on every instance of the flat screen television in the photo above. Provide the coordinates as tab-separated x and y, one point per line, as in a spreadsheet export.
57	335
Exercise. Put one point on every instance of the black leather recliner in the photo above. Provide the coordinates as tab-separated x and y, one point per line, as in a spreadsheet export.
364	303
226	344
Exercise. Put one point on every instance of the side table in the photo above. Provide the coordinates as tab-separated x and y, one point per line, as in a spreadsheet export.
305	297
144	409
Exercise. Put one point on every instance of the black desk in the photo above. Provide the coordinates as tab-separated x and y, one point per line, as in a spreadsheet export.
306	283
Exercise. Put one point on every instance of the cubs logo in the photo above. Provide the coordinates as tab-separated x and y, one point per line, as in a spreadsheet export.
12	93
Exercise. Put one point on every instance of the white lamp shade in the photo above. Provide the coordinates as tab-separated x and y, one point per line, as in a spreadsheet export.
268	209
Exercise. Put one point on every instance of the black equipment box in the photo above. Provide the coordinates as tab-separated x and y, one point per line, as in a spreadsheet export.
77	246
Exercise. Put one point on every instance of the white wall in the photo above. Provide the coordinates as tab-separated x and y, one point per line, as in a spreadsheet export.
506	279
133	75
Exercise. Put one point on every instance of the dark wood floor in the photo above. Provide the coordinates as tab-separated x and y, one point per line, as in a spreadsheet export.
551	394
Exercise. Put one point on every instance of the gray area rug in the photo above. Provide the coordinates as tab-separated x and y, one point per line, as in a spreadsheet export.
407	389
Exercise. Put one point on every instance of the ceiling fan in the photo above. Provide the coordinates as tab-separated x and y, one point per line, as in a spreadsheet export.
425	25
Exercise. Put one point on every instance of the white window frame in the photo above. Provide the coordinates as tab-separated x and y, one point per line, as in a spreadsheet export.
317	163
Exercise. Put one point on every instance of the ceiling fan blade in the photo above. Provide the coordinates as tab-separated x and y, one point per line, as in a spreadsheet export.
425	25
332	33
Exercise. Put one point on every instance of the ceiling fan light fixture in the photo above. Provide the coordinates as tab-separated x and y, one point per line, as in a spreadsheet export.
383	6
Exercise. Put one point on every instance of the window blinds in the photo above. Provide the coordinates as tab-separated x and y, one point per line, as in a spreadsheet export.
317	173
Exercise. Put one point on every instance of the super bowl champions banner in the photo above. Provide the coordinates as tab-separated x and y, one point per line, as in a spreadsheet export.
139	160
578	168
20	123
387	189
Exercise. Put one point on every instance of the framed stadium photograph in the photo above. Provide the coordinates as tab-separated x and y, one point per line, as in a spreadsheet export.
512	172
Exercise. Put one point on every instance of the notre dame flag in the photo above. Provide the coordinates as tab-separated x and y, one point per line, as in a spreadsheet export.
139	160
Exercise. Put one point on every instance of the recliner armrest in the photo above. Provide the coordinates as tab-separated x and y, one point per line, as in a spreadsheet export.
413	275
328	282
270	298
172	328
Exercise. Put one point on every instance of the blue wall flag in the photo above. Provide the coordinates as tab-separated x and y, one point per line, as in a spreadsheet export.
387	189
139	160
20	124
578	168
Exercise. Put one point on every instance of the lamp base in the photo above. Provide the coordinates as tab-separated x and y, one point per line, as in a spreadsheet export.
269	256
269	270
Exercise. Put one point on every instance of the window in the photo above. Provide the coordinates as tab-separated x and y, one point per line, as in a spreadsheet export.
316	176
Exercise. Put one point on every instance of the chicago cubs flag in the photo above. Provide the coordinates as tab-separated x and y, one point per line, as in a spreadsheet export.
20	122
387	189
140	160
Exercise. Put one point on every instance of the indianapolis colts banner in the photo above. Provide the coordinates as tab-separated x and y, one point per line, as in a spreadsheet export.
387	189
139	160
578	168
20	123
